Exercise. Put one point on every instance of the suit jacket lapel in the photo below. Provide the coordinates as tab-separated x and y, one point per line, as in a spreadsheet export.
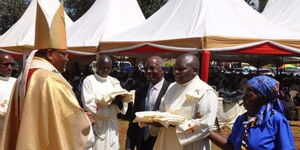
143	97
161	94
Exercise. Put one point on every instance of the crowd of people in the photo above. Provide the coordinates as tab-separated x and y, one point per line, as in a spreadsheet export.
232	84
40	111
100	123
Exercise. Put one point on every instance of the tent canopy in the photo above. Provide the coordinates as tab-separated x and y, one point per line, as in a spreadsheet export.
214	25
104	19
20	37
284	12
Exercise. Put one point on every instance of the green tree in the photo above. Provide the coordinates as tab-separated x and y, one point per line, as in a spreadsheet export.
262	5
76	8
149	7
10	12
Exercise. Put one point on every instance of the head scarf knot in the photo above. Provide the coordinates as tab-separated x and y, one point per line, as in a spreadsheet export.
268	87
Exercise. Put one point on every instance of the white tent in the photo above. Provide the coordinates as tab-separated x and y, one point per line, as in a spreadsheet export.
284	12
20	37
215	25
104	19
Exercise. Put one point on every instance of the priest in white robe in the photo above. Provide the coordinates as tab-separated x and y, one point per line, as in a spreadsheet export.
94	88
6	85
192	99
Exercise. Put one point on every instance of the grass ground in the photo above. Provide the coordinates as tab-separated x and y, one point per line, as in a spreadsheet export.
123	125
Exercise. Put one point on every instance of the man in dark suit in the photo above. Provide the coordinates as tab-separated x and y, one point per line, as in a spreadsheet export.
147	98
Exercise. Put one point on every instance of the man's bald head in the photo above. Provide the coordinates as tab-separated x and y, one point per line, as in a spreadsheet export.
104	65
186	68
4	55
155	59
103	58
6	64
154	69
190	60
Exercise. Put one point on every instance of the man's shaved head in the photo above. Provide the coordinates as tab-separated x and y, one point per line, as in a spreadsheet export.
104	65
157	59
186	68
191	60
103	58
154	69
6	64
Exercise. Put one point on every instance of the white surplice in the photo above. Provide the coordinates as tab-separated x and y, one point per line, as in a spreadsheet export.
6	86
106	126
187	100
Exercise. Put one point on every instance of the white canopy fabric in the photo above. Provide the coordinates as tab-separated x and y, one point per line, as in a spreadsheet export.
20	37
104	19
204	24
284	12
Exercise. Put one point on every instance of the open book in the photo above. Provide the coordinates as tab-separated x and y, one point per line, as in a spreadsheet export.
126	97
164	118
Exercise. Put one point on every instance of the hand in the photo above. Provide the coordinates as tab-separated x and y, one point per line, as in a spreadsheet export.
198	115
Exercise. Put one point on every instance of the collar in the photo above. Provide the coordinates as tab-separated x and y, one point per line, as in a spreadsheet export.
157	85
186	84
4	78
100	78
42	63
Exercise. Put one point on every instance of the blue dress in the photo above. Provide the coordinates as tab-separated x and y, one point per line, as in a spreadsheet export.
273	134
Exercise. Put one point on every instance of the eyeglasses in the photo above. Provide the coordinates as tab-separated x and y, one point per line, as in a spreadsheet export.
152	68
65	54
7	64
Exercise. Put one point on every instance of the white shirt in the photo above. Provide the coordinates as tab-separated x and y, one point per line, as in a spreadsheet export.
6	86
154	92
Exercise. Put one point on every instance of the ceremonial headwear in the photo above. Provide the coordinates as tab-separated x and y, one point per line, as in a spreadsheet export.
53	36
269	88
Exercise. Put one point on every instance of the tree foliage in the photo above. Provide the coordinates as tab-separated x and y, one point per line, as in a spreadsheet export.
149	7
76	8
10	12
262	5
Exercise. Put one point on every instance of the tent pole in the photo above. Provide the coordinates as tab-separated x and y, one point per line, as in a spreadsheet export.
205	65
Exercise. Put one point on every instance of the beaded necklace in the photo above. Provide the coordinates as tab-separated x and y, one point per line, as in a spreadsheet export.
247	124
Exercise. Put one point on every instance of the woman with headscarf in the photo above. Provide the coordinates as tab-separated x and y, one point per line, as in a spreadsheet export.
263	126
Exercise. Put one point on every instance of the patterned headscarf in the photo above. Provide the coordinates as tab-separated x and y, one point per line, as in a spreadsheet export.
268	87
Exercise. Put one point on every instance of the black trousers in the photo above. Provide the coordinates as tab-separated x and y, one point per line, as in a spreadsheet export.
147	144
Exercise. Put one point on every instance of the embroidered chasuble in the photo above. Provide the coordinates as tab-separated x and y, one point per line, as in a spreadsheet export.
48	117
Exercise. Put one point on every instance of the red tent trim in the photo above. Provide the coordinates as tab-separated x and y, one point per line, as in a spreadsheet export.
266	48
12	54
149	49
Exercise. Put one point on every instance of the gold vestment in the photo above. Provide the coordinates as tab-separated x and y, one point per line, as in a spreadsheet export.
47	118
